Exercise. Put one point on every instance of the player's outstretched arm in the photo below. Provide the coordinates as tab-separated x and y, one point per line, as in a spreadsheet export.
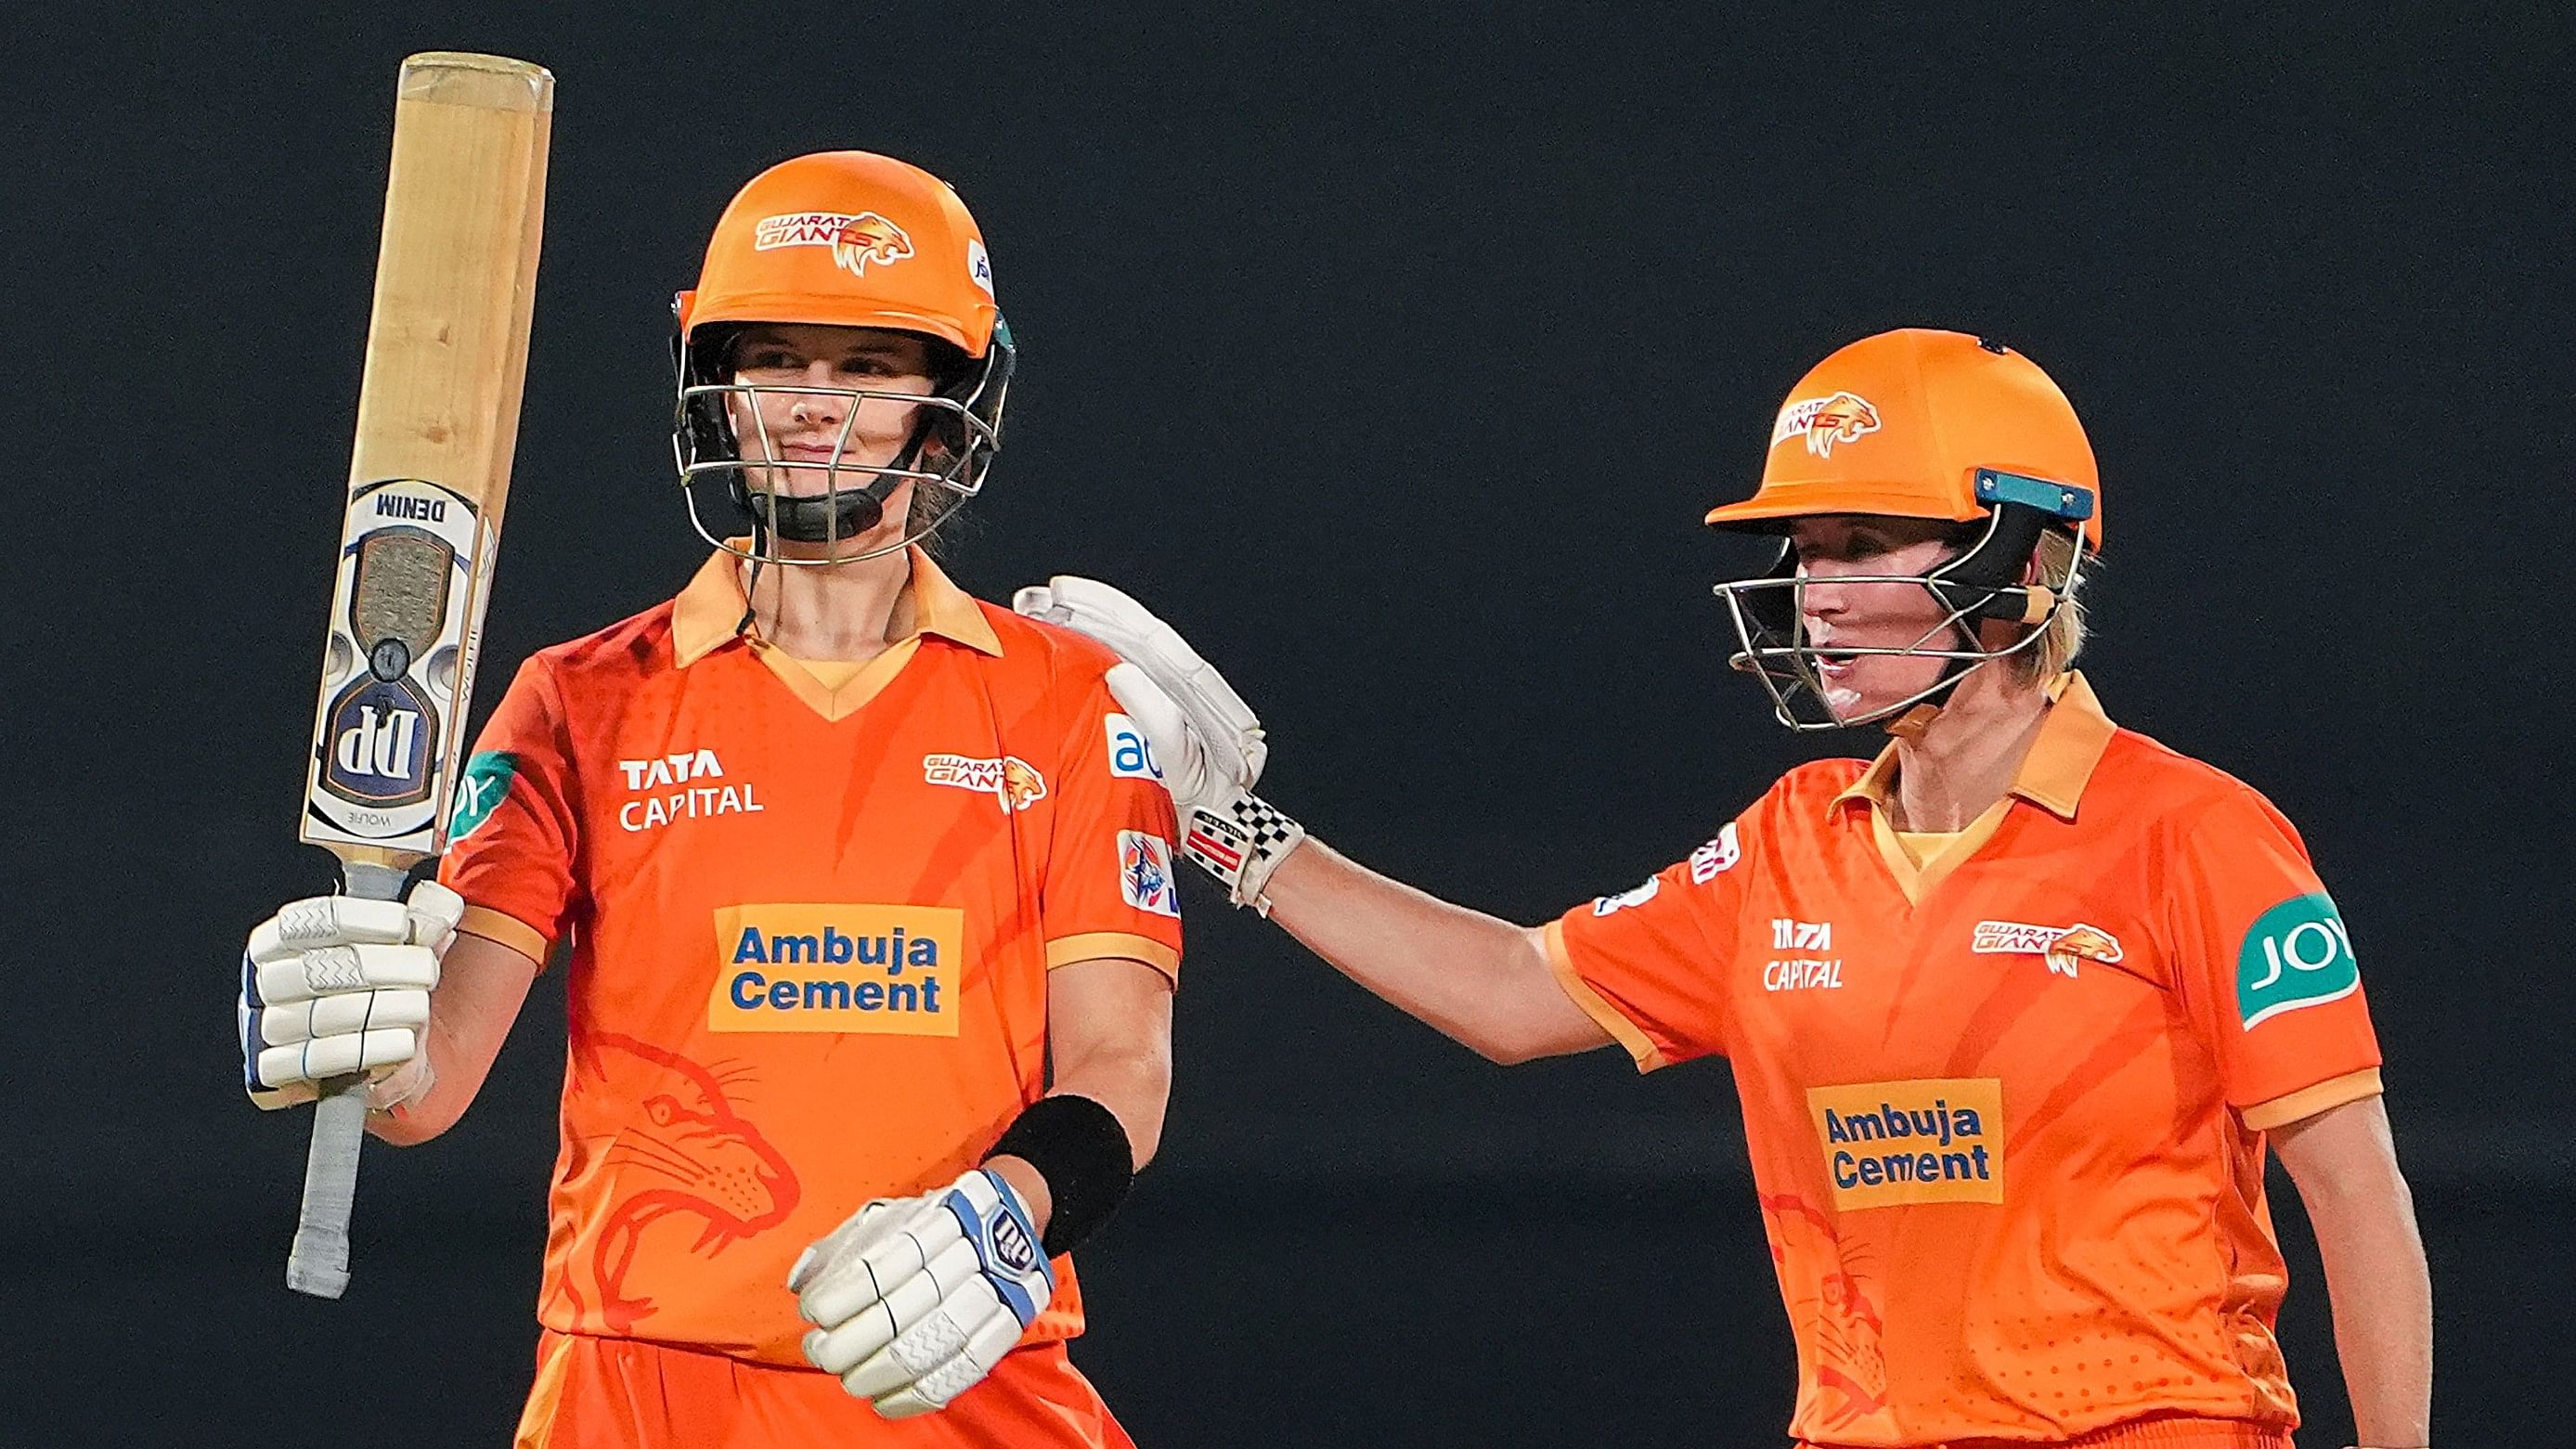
1480	980
1483	981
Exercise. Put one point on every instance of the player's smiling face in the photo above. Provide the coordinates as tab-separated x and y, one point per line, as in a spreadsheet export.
1832	613
802	370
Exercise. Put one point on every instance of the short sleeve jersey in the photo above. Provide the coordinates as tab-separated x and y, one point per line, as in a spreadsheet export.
2006	1108
810	929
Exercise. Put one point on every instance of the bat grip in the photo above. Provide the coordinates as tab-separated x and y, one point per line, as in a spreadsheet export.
318	1264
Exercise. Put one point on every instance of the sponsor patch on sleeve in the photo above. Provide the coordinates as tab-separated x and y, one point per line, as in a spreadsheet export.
487	781
1634	896
1131	755
1716	856
2296	954
1145	873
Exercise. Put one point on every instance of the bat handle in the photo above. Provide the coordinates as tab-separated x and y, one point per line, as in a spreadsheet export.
318	1264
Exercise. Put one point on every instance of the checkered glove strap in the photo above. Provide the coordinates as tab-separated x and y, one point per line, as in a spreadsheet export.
1241	845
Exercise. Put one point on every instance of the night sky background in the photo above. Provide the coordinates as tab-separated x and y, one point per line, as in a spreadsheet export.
1392	353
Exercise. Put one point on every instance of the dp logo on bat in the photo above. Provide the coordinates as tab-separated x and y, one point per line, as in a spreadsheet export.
377	748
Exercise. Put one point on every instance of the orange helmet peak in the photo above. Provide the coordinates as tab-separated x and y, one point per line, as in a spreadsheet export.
1921	423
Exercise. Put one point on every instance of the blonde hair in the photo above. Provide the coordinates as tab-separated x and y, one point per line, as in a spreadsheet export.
2063	636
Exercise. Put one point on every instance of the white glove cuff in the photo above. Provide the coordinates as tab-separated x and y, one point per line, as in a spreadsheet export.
1241	845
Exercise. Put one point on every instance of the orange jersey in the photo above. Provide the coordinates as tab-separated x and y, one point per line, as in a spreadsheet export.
2006	1107
810	928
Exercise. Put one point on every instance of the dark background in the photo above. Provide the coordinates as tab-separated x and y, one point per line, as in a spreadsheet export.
1392	354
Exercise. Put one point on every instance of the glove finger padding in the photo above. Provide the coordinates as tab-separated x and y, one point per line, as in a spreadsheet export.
340	971
926	1337
331	1056
338	984
1226	726
854	1265
915	1299
341	1015
428	917
841	1348
984	1349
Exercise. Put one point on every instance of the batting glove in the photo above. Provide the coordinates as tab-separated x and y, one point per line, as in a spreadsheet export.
914	1300
334	985
1209	741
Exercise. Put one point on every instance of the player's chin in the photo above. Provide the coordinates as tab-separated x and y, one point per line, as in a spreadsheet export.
1857	689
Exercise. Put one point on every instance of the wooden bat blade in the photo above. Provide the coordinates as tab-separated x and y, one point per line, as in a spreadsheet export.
429	476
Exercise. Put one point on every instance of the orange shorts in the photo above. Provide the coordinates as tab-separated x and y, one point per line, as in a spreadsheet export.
2177	1431
624	1393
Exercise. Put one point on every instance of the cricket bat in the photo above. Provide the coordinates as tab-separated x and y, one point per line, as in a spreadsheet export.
438	420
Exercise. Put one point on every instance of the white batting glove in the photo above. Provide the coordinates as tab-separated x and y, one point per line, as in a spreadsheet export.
335	984
1209	741
915	1299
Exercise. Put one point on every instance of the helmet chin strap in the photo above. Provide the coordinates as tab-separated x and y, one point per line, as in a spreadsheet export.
841	512
1962	587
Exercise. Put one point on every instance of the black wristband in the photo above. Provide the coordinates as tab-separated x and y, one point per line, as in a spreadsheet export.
1082	1151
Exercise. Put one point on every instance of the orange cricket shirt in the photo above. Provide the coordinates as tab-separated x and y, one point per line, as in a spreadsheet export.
811	928
2006	1110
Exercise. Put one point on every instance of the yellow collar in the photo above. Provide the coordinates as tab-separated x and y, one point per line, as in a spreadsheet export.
2072	736
708	613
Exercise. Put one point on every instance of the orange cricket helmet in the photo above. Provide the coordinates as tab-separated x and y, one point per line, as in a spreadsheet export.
846	239
851	239
1920	423
1923	424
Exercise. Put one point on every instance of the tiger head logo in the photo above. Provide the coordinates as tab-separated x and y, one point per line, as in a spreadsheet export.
2082	943
1022	785
868	237
1842	418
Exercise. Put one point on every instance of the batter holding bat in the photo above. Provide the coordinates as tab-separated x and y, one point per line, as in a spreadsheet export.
2016	1010
865	888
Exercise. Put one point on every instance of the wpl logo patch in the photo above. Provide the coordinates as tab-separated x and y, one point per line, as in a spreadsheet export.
2296	954
1145	873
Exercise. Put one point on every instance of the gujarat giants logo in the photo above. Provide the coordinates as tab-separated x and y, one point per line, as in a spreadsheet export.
1022	786
1823	422
2083	943
1014	781
2060	946
868	237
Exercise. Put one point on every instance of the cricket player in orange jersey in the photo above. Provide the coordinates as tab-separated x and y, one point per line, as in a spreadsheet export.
2015	1010
866	885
